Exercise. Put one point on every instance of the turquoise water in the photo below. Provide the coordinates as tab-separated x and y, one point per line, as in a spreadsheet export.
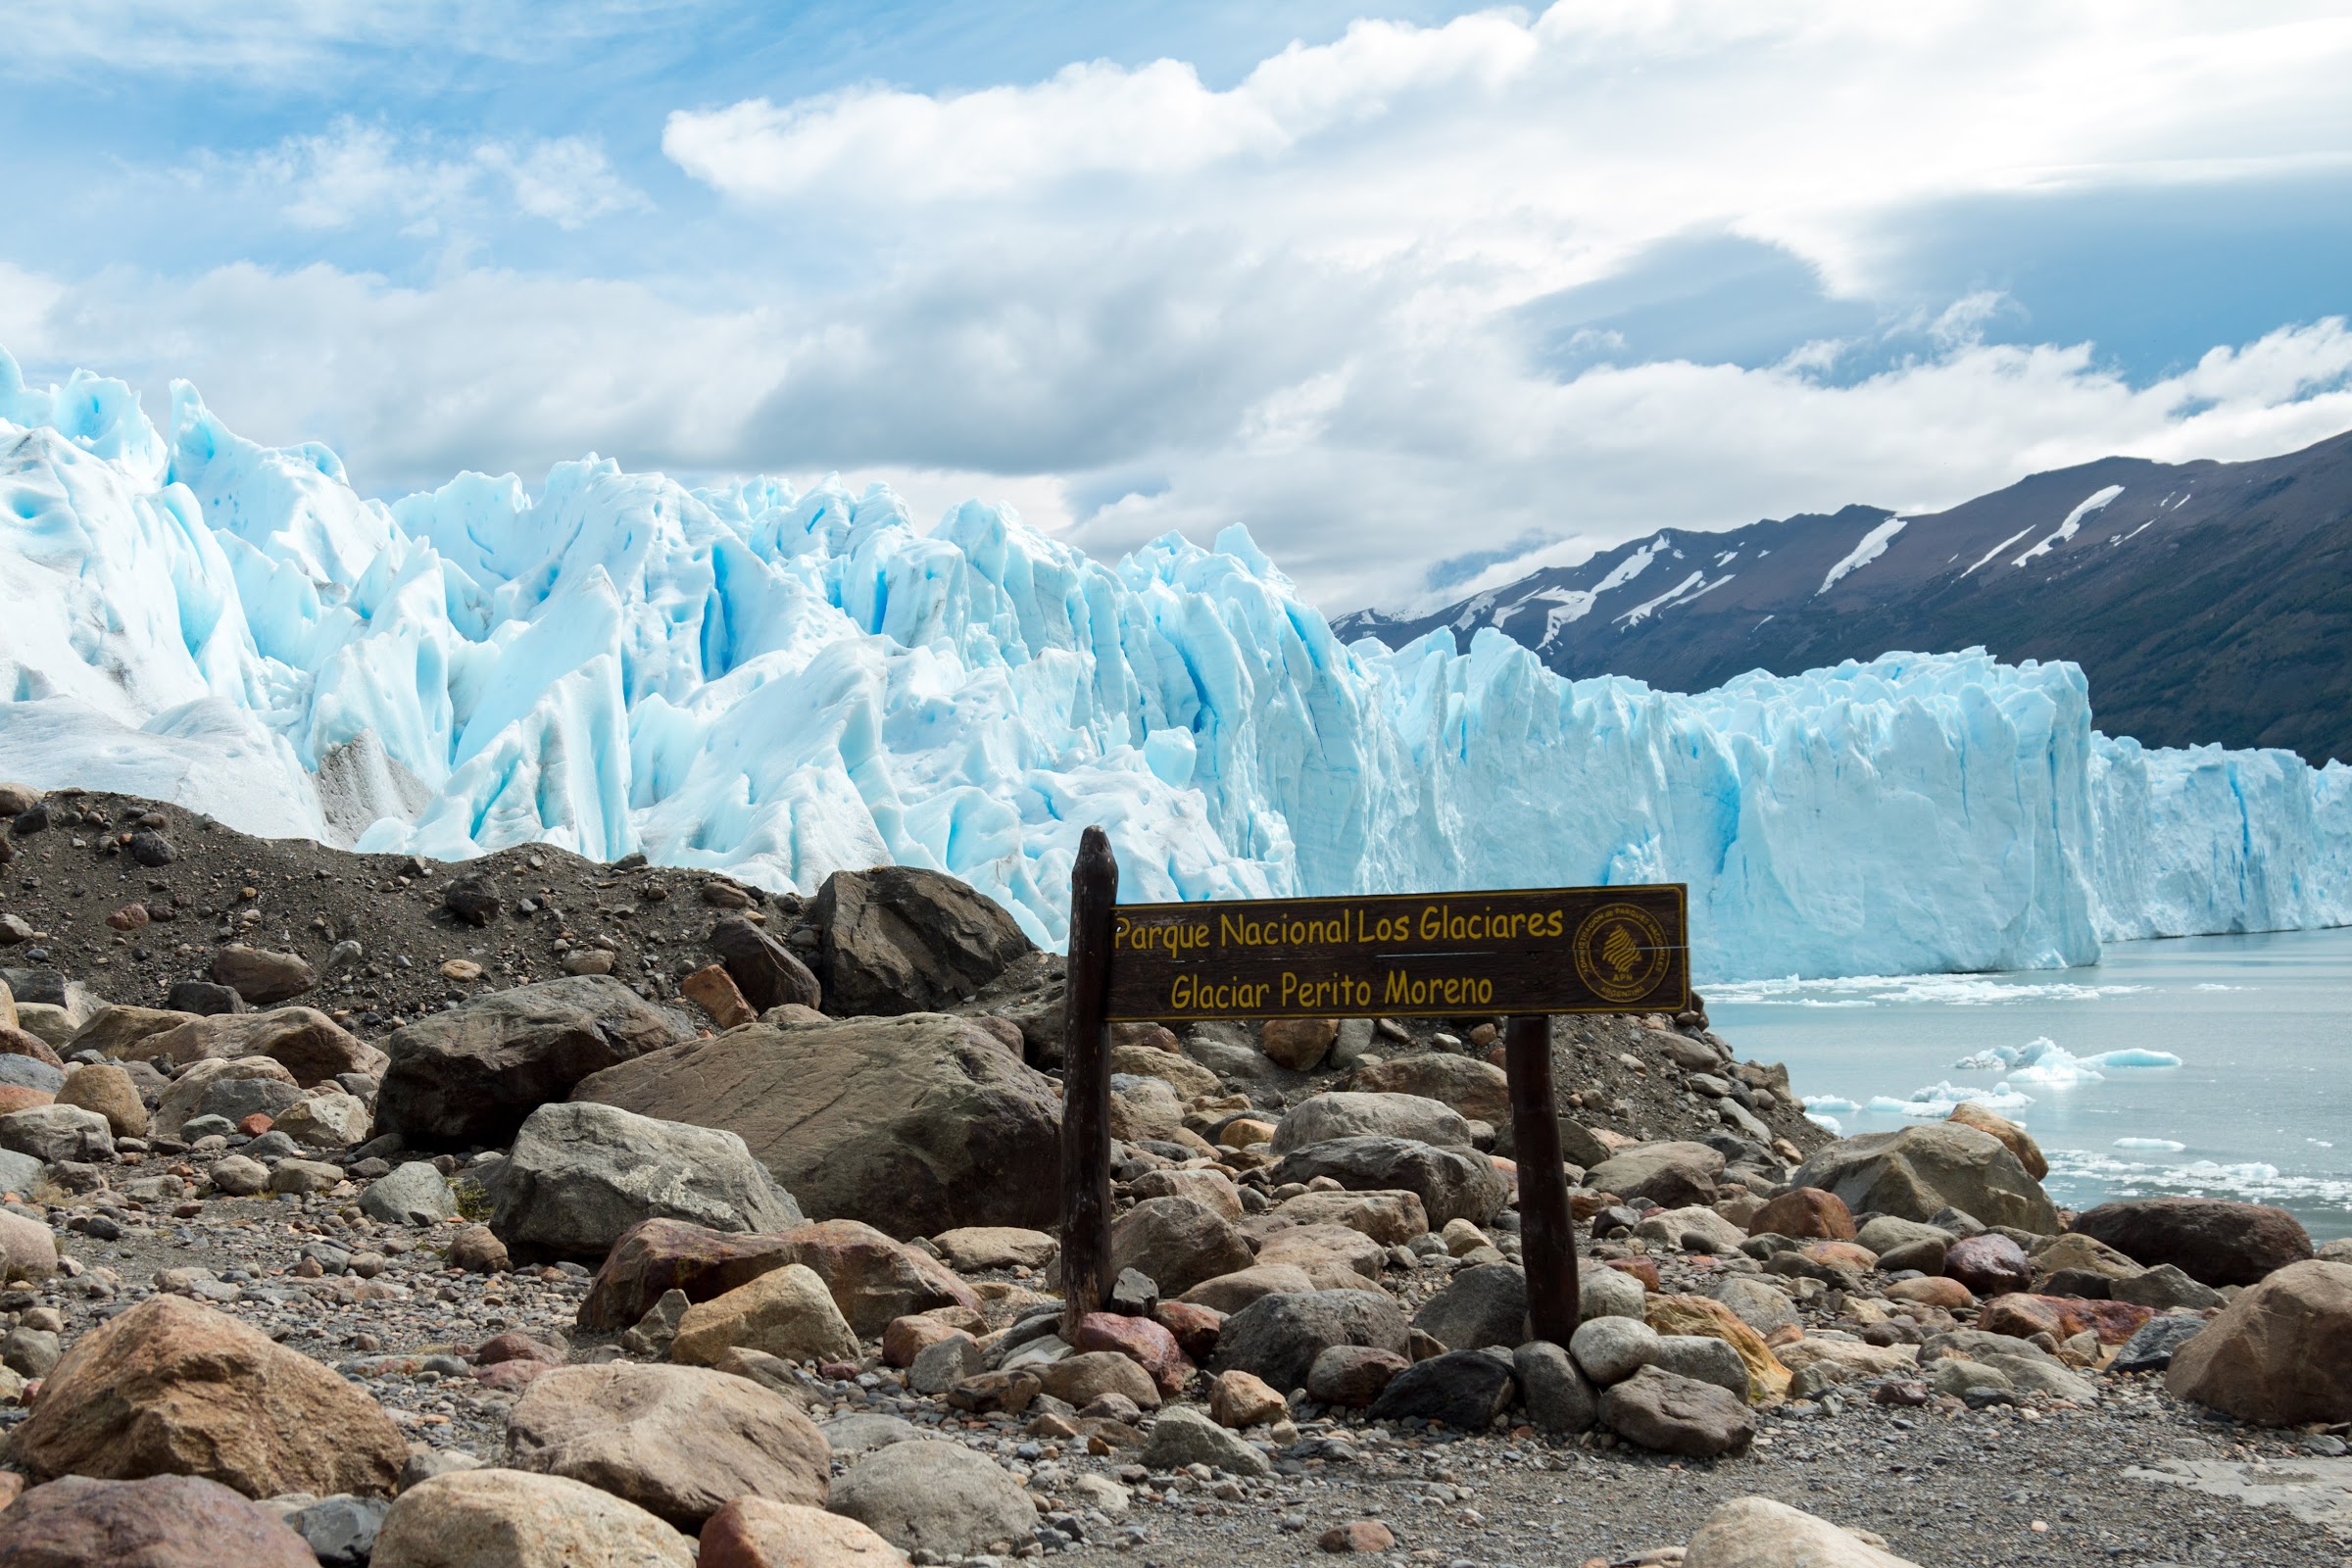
2259	1108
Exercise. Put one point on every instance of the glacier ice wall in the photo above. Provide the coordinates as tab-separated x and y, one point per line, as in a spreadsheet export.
781	683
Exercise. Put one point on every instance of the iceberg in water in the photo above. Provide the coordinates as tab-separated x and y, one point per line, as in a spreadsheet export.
781	683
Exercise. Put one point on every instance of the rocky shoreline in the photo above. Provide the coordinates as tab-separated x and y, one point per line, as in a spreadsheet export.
535	1211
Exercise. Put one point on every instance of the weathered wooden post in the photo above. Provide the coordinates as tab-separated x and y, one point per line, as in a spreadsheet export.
1547	1230
1086	1272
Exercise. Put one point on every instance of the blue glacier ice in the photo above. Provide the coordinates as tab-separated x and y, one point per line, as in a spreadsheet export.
781	683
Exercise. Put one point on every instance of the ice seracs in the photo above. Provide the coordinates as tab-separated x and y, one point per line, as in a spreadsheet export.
782	683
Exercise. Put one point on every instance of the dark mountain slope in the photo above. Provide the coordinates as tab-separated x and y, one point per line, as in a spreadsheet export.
2205	601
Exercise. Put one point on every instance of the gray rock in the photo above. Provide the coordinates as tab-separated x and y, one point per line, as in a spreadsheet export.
1558	1396
240	1177
1178	1243
1451	1183
18	1173
1678	1415
340	1530
2151	1349
305	1176
1182	1435
51	1133
862	1432
1759	1305
944	1363
1481	1307
1884	1232
233	1100
30	1072
2164	1288
1607	1293
1320	1118
1759	1533
1671	1175
1278	1336
261	976
468	1076
414	1193
1610	1349
935	1496
2037	1374
1464	1389
914	1125
897	939
582	1173
1704	1358
1916	1172
1957	1376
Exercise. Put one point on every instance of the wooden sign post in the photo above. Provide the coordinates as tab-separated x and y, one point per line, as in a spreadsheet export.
1528	953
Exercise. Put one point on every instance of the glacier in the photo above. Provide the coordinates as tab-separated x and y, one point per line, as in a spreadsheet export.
781	683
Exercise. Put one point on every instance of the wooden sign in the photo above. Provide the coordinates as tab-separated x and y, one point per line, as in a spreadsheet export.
1432	955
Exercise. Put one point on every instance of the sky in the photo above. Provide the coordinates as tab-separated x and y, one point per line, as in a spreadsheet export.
1425	296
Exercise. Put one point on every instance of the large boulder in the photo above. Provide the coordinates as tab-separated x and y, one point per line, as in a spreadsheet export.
1463	1389
173	1388
162	1522
2211	1240
261	976
1671	1175
871	1278
1916	1172
51	1133
109	1091
1451	1183
1478	1090
764	971
1674	1415
2018	1141
2278	1355
937	1497
1320	1118
582	1173
676	1440
1481	1307
1390	1219
1178	1243
897	939
185	1096
1278	1336
516	1519
312	1047
786	1311
119	1029
470	1076
913	1125
1759	1533
755	1533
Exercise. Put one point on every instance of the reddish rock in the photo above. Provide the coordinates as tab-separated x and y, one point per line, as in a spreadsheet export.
905	1338
16	1041
256	1124
1195	1327
759	1533
2018	1141
16	1097
873	1278
1009	1391
1929	1291
2211	1240
1242	1399
2022	1316
512	1377
1805	1211
1140	1340
1990	1264
715	991
163	1522
1358	1535
1641	1268
515	1348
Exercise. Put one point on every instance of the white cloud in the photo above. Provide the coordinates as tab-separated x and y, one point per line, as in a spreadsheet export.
355	174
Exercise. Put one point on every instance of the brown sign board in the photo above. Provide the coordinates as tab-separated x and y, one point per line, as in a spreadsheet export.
1422	955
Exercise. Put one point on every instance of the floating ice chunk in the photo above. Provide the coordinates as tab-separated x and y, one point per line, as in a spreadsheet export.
2163	1145
2133	1057
1827	1124
1938	1100
1833	1104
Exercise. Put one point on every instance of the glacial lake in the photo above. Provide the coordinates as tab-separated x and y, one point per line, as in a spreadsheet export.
2259	1108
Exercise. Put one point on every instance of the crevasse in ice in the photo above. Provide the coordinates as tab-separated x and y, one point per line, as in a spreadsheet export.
782	683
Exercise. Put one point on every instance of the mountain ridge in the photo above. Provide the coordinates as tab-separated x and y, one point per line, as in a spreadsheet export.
2207	602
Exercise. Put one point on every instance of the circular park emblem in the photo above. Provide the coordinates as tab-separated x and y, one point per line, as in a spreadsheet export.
1621	952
